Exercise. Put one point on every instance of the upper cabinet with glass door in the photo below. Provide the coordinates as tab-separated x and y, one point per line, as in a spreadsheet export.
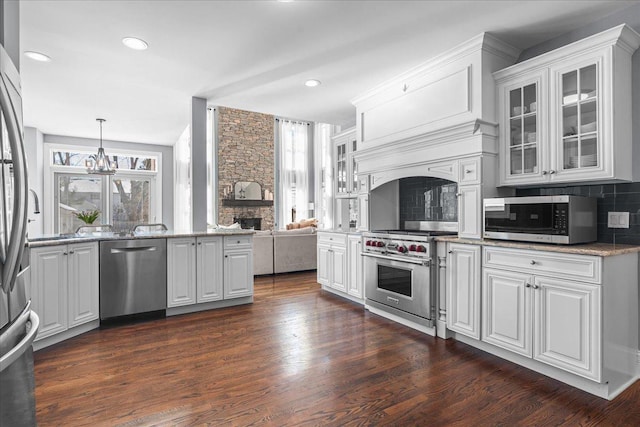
525	148
346	168
579	119
557	113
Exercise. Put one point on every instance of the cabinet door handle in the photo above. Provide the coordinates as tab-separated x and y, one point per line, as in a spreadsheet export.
193	244
551	172
527	285
64	253
468	171
533	262
535	286
72	252
450	252
199	243
544	172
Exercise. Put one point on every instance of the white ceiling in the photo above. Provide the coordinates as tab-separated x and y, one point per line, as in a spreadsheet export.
252	55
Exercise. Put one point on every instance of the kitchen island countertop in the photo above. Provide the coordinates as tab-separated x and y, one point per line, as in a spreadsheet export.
595	248
60	239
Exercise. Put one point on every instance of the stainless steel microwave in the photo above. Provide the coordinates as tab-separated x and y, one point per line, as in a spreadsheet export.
544	219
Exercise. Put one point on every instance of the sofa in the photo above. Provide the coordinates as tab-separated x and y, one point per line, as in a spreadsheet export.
284	251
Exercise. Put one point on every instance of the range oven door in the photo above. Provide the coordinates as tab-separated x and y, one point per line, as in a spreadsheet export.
400	284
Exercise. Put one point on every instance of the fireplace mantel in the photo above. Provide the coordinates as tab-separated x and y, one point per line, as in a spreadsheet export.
240	202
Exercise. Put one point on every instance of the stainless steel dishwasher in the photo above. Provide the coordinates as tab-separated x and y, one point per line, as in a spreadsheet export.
133	277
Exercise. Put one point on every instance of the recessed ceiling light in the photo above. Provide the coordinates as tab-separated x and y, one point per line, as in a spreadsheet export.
37	56
135	43
312	83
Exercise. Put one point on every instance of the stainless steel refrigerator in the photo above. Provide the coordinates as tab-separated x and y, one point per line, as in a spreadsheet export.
18	324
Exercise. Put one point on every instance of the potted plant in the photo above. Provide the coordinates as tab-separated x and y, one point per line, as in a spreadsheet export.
88	217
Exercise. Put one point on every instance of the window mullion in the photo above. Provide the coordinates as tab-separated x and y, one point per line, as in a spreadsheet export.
106	200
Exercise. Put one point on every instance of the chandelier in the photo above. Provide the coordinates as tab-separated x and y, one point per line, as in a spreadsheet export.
99	164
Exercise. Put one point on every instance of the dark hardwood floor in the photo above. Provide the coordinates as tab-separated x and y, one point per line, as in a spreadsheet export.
298	356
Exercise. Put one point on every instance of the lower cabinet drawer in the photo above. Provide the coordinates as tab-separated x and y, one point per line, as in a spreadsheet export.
237	241
585	268
332	238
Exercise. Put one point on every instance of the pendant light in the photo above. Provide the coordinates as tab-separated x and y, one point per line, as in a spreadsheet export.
99	164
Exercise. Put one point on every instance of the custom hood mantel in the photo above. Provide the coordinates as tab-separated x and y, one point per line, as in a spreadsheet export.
442	109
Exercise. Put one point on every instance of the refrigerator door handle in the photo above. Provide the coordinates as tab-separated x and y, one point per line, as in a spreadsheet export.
11	264
12	355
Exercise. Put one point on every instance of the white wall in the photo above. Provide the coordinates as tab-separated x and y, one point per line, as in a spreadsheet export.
34	145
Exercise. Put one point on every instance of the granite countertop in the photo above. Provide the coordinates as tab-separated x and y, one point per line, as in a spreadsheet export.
327	230
62	239
596	249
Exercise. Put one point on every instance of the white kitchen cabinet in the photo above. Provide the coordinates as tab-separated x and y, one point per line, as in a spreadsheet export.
49	273
84	278
363	212
470	211
565	116
238	266
332	260
506	307
463	289
324	264
567	325
355	267
524	150
65	286
194	270
209	271
346	168
530	312
181	271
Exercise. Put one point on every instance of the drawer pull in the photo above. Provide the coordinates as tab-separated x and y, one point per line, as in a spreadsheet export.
533	262
468	171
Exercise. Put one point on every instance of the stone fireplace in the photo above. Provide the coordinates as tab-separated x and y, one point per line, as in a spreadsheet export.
245	154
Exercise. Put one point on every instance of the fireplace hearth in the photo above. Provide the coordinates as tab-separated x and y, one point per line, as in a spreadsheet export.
249	223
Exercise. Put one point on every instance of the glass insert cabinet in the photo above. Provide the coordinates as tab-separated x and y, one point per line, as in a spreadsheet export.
346	168
565	116
523	130
580	118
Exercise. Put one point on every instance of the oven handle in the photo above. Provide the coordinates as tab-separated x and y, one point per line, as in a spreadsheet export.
425	262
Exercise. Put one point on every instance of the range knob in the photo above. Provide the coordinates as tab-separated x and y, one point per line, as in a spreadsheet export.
402	249
421	248
412	248
368	243
379	244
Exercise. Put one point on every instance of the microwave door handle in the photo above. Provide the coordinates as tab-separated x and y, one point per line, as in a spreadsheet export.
16	240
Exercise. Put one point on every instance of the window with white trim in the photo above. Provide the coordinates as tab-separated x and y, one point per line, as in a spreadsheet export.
132	196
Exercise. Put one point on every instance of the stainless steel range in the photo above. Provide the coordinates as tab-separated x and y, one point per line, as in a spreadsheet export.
398	273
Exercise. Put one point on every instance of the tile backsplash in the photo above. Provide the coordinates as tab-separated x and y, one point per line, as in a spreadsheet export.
611	198
428	199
